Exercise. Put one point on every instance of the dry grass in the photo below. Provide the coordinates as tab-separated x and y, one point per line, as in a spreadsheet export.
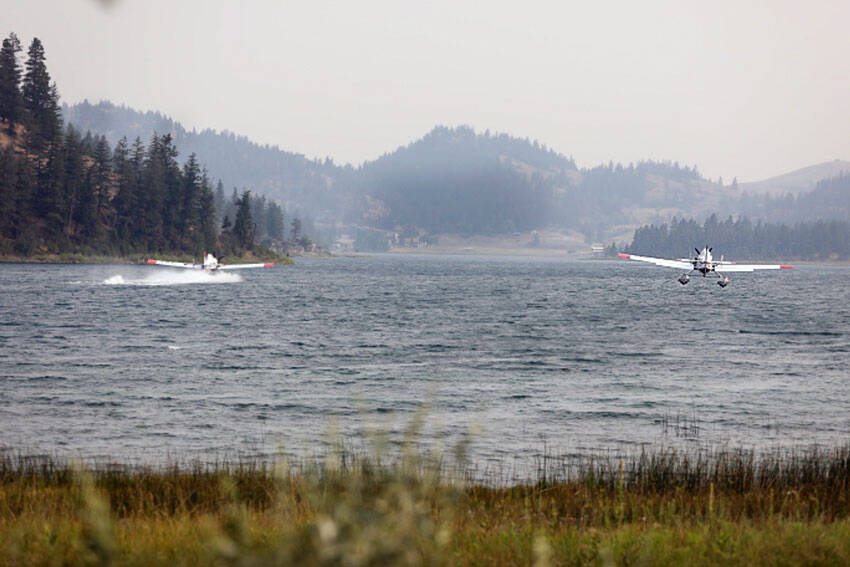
663	508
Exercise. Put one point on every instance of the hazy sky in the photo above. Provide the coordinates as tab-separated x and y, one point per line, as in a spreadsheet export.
740	88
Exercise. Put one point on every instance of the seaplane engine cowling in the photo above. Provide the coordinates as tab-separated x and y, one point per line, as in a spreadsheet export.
684	278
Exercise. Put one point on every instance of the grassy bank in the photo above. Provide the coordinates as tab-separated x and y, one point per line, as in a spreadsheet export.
665	508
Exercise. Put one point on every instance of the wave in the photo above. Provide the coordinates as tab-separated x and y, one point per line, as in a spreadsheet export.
794	333
166	278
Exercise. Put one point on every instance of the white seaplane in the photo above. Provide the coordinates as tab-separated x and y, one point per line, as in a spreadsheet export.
210	264
705	264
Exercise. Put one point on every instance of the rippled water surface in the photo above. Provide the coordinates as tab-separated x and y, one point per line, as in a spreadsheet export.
148	364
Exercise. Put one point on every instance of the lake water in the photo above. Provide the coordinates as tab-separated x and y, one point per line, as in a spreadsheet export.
149	364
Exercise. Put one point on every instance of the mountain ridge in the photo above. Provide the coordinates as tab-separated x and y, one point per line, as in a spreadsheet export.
798	180
452	180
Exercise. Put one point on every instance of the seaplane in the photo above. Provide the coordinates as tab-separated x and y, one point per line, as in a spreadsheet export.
705	264
209	264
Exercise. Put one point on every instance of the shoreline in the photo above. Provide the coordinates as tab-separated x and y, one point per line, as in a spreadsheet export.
482	250
133	259
568	255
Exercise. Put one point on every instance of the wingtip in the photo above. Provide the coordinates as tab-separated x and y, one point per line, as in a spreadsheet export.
626	256
151	261
786	267
268	264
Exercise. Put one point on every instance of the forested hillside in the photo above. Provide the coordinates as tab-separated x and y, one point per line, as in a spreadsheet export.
742	239
289	178
451	181
830	199
65	192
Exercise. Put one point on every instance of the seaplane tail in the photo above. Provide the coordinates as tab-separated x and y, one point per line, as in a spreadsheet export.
210	263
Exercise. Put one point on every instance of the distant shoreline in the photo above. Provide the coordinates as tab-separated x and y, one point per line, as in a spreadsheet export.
135	259
577	256
483	251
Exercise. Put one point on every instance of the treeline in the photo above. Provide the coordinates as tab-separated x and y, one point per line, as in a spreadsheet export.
267	220
742	239
64	192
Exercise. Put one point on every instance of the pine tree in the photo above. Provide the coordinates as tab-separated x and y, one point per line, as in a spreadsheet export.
258	213
86	216
101	175
296	230
243	226
40	98
149	232
49	200
274	221
123	202
9	209
220	203
74	183
136	165
173	201
10	78
207	213
189	219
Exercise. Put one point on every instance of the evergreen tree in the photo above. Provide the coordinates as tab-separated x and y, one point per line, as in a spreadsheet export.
25	232
9	209
40	98
86	216
295	230
207	213
101	174
149	232
173	201
137	191
274	221
258	213
74	185
189	214
220	203
49	200
10	78
243	226
123	202
73	193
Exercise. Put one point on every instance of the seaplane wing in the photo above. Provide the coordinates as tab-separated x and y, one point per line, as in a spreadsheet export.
750	267
678	264
210	264
243	266
175	264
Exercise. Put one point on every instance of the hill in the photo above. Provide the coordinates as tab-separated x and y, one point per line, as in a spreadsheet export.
293	180
798	181
455	180
829	199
